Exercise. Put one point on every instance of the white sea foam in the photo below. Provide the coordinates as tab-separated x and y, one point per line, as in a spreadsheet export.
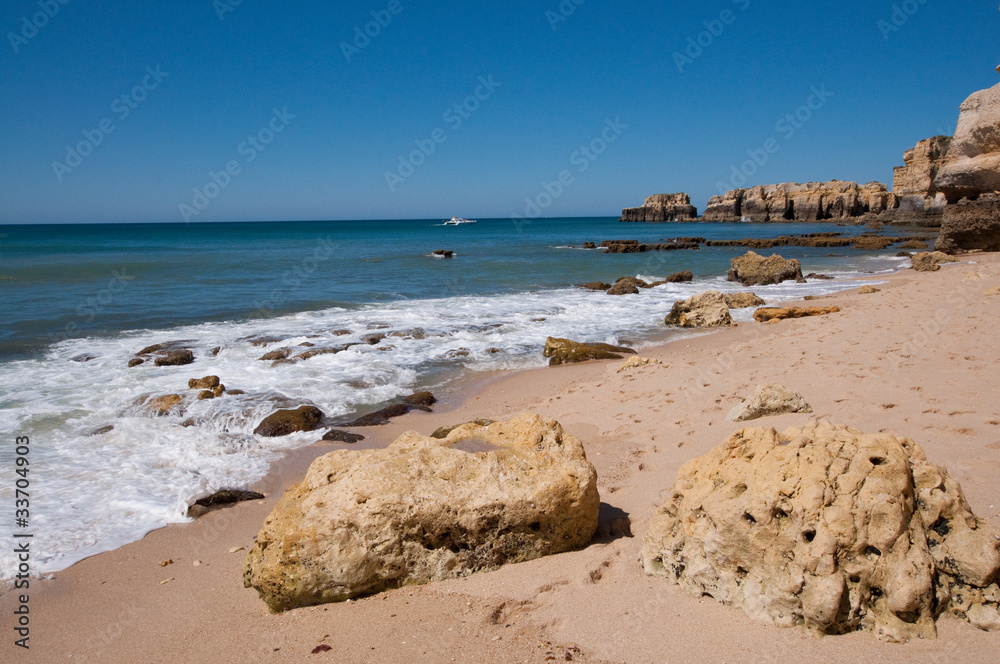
92	493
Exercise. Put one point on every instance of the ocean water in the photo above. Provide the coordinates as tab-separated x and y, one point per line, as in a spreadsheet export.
79	301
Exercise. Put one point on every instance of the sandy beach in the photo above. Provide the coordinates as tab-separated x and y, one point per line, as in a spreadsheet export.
918	359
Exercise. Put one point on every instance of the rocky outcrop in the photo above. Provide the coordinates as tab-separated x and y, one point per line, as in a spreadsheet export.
564	351
424	509
930	261
915	198
627	286
971	225
972	165
827	528
743	300
160	406
285	422
709	309
663	207
635	247
791	201
418	401
752	269
769	400
774	314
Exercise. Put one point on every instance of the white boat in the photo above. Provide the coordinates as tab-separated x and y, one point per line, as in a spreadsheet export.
458	221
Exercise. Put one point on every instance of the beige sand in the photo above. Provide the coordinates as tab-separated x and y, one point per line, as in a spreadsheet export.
918	359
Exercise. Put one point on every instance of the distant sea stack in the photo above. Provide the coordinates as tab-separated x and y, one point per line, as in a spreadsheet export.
663	207
813	201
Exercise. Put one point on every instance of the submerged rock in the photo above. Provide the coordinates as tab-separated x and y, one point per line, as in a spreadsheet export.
596	286
827	528
565	351
423	510
175	358
769	400
419	401
161	406
778	314
708	309
627	286
752	269
285	422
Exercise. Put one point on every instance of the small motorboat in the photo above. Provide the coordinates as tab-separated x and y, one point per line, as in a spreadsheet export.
458	221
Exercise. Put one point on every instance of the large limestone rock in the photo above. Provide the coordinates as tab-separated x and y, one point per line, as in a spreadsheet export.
973	161
769	400
565	351
752	269
663	207
709	309
791	201
828	528
424	509
971	225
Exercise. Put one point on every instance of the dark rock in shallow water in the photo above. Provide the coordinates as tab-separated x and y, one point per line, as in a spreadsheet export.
85	357
676	278
206	383
335	436
275	355
422	400
444	253
380	417
98	431
419	401
596	286
166	346
228	497
215	351
135	361
589	245
175	358
822	277
373	339
285	422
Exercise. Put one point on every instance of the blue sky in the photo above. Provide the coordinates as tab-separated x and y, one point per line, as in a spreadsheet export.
167	96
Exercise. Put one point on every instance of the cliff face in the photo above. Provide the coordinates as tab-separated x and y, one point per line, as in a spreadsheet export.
972	164
813	201
663	207
915	199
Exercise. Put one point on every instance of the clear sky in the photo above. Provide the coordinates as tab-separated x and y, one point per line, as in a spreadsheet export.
316	120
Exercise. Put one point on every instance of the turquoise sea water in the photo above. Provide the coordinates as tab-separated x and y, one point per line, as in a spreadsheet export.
80	301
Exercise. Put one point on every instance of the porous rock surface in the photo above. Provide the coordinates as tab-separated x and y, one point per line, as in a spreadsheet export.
791	201
752	269
972	164
709	309
930	261
769	400
743	300
662	207
423	510
827	528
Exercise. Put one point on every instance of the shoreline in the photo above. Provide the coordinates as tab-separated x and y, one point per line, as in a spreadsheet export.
638	427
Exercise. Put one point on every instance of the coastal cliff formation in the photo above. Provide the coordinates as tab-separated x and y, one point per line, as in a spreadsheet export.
915	197
813	201
663	207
